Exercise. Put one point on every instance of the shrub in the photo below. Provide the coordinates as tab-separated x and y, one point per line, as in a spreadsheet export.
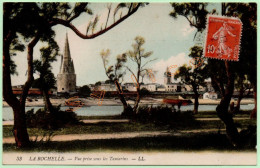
84	91
144	92
162	115
56	119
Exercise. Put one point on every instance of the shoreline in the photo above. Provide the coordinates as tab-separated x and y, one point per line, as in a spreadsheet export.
117	102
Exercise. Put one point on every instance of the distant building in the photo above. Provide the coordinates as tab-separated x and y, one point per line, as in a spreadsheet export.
169	85
66	79
130	86
210	95
161	88
152	87
106	87
167	76
173	87
209	87
17	86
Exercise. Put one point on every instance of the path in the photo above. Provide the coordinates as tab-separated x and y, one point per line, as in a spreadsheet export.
216	119
121	135
95	121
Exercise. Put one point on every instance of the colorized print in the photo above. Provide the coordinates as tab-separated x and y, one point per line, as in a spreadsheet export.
129	83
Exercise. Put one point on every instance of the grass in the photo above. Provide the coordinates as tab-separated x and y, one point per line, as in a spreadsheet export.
213	114
100	117
189	141
204	114
104	127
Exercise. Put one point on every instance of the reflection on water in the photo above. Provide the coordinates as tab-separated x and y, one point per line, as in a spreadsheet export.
113	110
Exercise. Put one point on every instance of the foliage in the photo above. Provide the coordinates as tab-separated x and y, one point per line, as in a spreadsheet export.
84	91
194	12
49	121
219	70
163	115
98	83
115	74
144	92
138	55
34	22
194	76
116	71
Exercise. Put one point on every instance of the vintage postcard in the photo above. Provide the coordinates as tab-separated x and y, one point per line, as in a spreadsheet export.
129	83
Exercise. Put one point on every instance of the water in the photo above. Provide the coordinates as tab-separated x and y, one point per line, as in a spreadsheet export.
113	110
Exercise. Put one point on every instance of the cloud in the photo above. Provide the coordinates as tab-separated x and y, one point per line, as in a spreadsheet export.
175	61
187	30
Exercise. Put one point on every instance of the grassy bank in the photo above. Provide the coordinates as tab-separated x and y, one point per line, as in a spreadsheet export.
190	142
195	139
105	127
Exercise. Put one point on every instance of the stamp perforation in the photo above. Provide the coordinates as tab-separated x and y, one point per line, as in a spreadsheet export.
207	36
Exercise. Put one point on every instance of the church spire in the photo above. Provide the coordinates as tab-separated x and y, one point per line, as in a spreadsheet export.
67	48
66	61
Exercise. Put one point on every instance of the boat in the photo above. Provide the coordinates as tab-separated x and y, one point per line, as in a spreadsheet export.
182	102
74	103
177	100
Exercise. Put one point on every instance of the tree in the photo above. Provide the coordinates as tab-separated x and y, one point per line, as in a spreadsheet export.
84	91
223	80
98	83
248	51
194	77
137	55
46	81
243	85
115	75
144	92
34	21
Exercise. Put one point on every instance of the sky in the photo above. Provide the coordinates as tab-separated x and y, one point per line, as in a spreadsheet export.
170	40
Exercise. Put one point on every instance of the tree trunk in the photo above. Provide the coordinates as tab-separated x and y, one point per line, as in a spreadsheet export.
222	109
19	129
241	94
196	100
138	90
138	98
47	101
137	101
240	97
120	95
253	113
128	111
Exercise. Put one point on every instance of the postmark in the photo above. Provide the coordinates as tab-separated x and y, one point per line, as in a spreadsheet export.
223	38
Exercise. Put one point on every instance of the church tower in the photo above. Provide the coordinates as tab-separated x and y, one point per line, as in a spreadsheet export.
66	79
167	76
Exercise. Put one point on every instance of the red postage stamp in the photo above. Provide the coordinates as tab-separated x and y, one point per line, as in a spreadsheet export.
223	38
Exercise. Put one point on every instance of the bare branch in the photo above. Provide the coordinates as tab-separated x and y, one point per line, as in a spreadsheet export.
130	7
130	71
66	23
148	62
109	9
190	21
